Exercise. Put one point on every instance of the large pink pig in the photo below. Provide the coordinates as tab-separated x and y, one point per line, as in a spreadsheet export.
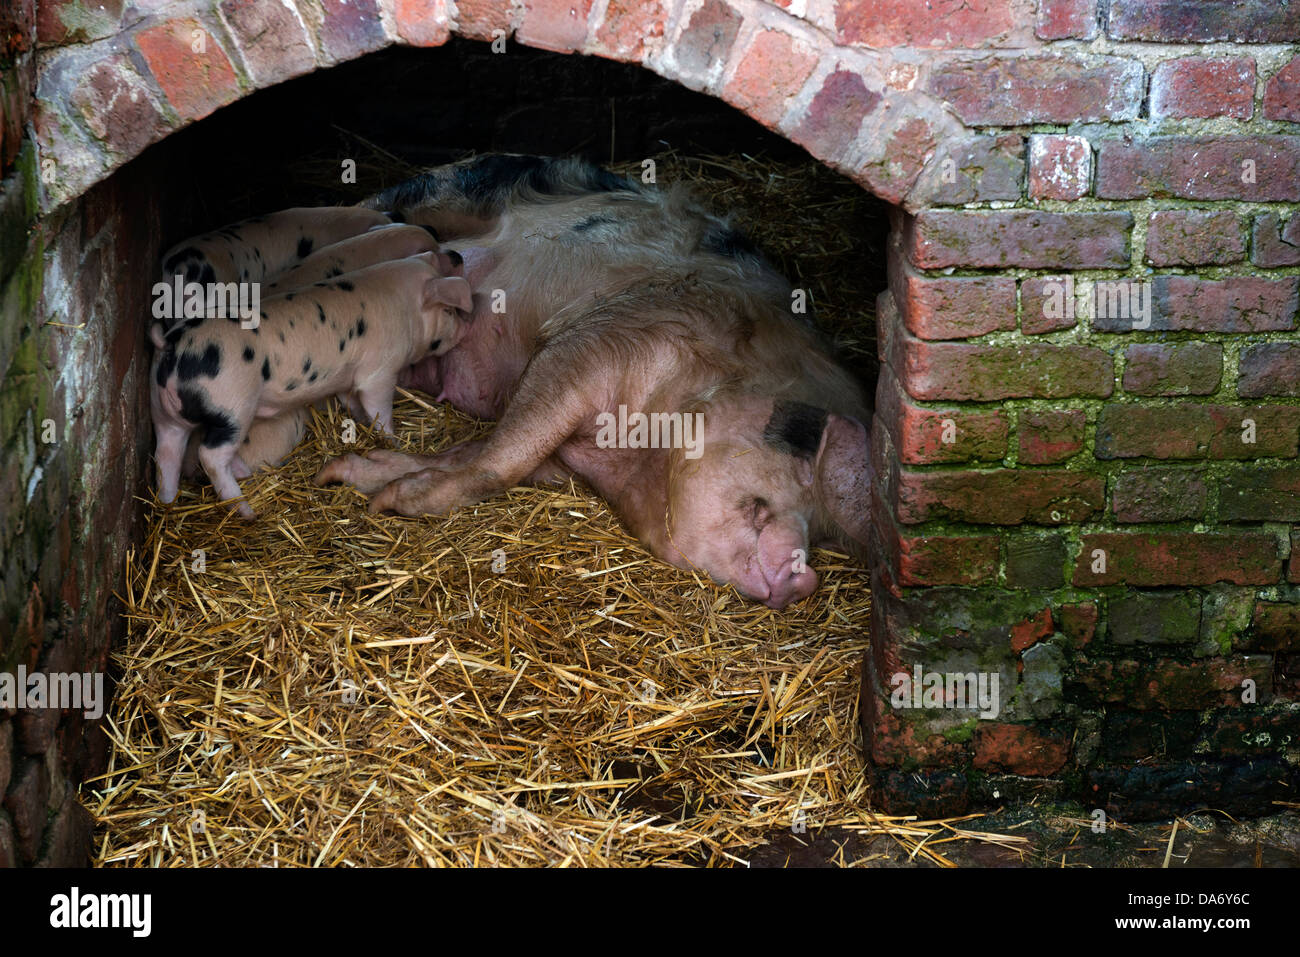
599	303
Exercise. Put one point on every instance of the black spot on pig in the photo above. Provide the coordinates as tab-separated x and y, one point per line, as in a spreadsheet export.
304	247
345	285
266	370
729	243
221	429
431	231
334	271
591	222
282	336
288	297
341	345
320	312
433	346
306	365
456	258
361	326
166	363
249	354
192	365
795	428
293	384
312	377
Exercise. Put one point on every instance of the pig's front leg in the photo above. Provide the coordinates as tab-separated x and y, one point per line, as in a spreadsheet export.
543	414
375	396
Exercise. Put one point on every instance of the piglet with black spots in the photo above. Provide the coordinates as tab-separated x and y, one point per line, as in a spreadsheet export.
350	336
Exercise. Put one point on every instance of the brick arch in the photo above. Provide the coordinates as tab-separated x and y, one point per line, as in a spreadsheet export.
109	85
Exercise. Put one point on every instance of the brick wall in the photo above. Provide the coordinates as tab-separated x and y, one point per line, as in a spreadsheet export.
1098	508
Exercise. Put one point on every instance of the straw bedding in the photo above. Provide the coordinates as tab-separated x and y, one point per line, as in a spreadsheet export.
518	684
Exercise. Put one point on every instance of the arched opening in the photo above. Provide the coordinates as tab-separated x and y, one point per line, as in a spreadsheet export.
308	611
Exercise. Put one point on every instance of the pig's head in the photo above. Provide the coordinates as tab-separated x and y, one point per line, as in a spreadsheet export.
772	478
447	302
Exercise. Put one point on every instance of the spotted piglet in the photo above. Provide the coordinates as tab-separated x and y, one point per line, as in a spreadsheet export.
256	248
376	245
349	336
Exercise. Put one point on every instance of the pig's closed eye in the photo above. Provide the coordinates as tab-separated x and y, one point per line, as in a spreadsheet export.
759	512
433	346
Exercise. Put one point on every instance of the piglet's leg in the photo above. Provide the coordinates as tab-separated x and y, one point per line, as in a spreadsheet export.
218	463
542	415
170	452
376	398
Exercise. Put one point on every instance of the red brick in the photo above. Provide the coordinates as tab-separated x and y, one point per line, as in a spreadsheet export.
772	70
1193	431
557	25
195	84
919	433
1029	749
707	39
1078	622
1270	368
1282	93
1275	245
422	23
478	19
117	107
970	169
1203	87
1194	237
835	115
350	28
63	22
1001	497
1260	495
1030	630
916	23
1159	495
1177	21
893	739
1184	368
626	27
958	372
941	559
1066	19
272	40
1060	166
1169	685
1238	304
1050	437
899	145
1200	167
1034	314
1178	558
937	238
953	308
1018	90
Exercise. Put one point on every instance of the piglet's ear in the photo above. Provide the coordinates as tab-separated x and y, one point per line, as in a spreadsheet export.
449	291
843	482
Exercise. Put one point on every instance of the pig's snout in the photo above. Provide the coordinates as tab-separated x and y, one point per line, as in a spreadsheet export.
786	585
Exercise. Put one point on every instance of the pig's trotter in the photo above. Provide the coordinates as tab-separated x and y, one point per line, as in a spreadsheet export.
218	462
435	492
368	475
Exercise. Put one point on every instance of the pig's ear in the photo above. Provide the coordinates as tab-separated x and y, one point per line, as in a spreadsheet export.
843	483
449	291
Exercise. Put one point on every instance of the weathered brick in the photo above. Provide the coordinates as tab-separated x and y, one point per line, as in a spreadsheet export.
1177	21
1184	368
1030	749
894	740
1259	168
773	69
1017	90
68	836
1272	244
1282	93
1269	368
930	436
970	169
63	22
8	842
1170	685
1194	237
1001	497
1066	20
1259	733
914	24
1159	495
706	41
1237	304
557	25
117	107
1260	495
480	19
1177	558
1188	431
273	40
1143	735
1155	618
627	26
1276	626
1293	566
1035	561
953	308
1203	87
26	801
835	115
1031	630
941	559
958	372
1060	166
195	84
936	239
1043	306
1078	622
1050	437
349	29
